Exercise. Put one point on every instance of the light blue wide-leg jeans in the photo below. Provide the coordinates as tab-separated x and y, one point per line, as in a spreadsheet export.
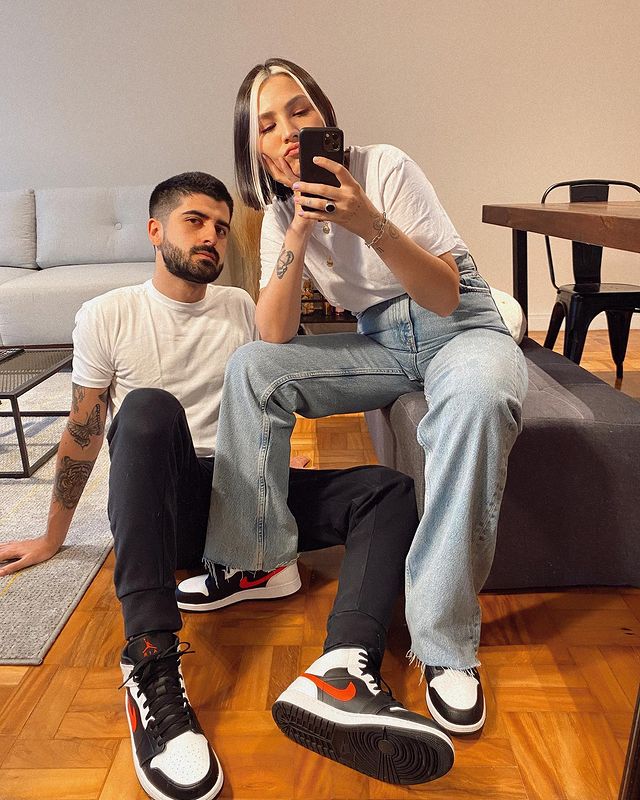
474	379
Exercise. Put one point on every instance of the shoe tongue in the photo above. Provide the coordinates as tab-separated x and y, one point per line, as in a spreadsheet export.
150	644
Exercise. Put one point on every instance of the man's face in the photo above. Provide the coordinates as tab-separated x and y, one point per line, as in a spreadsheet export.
193	238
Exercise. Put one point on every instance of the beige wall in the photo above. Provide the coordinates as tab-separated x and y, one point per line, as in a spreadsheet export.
495	100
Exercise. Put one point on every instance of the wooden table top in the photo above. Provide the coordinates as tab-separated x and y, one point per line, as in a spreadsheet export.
615	224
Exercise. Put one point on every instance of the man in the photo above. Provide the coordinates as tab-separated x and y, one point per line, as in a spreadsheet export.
153	356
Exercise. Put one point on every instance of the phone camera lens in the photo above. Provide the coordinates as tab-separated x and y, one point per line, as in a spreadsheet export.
331	141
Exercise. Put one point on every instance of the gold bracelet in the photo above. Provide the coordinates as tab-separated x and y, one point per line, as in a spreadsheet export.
380	233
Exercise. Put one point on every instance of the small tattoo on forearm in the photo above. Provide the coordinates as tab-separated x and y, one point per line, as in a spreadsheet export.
77	396
378	223
393	232
81	434
284	259
70	481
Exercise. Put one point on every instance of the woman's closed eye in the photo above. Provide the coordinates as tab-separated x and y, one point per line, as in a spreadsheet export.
301	112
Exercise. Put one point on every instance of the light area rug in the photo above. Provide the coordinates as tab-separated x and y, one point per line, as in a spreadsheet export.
36	602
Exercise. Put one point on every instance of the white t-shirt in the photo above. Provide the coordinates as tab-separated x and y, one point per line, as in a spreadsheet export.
135	338
359	278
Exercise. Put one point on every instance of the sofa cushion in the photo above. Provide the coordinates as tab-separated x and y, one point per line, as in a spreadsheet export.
93	225
18	229
40	307
10	273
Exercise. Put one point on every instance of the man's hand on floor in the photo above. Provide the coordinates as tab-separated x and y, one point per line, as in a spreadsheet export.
24	553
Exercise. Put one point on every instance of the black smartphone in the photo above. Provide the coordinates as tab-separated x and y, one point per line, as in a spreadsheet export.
326	142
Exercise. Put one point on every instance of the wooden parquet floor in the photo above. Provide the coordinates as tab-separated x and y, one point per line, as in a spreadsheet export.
560	670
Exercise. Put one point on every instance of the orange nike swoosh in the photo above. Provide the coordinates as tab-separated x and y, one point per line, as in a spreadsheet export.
346	694
132	714
245	583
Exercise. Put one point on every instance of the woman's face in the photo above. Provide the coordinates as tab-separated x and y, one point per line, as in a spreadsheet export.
283	108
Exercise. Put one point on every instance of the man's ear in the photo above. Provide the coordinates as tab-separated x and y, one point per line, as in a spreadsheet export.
155	231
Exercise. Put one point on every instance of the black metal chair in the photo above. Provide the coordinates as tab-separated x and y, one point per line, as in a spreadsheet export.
581	301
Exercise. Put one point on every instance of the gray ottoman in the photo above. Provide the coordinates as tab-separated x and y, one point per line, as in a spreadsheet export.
571	509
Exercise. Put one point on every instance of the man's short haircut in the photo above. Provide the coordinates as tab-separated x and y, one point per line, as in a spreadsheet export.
168	194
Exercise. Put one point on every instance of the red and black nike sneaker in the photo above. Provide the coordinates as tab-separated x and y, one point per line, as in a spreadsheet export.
338	709
171	755
227	586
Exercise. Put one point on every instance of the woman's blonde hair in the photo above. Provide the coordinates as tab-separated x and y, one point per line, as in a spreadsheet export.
243	249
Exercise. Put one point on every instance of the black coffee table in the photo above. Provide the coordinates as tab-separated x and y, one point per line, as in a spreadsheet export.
20	372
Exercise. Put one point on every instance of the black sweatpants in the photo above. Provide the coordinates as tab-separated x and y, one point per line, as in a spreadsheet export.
159	493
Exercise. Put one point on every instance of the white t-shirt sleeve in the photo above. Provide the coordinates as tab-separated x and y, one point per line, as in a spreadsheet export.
411	203
271	238
92	365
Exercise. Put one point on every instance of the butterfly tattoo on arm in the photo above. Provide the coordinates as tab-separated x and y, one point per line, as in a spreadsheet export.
82	433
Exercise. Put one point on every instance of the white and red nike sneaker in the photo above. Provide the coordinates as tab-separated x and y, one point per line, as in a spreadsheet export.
227	586
171	755
338	709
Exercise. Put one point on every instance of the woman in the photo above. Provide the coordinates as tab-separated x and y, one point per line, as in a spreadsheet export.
382	246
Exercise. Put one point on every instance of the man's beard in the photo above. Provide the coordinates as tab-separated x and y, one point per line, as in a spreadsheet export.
189	265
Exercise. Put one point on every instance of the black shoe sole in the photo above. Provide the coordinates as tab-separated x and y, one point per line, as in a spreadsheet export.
387	753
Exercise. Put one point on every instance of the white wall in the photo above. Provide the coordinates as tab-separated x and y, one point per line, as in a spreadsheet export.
495	100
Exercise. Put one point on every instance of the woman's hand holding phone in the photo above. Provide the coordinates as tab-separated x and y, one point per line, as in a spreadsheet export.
353	209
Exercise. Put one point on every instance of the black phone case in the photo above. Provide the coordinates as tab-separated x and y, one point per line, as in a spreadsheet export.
311	145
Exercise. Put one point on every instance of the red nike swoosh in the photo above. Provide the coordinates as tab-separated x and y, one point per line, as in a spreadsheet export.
132	714
346	694
245	583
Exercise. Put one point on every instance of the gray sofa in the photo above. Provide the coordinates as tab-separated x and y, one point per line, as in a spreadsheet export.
60	247
571	509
